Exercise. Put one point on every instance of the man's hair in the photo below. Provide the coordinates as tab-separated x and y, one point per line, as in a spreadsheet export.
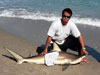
67	10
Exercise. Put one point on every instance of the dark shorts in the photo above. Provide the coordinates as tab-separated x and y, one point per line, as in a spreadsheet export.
71	43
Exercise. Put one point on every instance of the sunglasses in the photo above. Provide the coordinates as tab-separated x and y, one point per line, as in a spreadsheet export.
66	16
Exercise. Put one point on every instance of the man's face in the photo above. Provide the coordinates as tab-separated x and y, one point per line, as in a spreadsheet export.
65	17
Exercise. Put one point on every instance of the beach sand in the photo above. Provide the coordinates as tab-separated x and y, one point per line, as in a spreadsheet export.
24	36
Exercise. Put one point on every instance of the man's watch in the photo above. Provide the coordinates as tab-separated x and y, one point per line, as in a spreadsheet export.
84	48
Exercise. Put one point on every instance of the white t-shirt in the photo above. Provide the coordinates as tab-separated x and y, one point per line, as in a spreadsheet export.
59	32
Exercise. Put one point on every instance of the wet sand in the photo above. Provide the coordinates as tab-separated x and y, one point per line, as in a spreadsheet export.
24	36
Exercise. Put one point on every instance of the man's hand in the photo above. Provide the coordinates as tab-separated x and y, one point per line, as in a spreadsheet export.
84	51
44	52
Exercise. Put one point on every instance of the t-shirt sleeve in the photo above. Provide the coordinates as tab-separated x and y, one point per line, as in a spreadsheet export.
75	31
52	30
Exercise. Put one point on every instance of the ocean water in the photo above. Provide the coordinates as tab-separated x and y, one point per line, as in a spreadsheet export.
86	12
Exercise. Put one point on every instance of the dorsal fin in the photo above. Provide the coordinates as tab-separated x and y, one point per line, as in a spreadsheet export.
56	48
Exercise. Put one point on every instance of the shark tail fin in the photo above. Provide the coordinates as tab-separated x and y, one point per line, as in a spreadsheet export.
19	58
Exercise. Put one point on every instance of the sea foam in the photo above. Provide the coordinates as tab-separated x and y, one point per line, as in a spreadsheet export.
22	13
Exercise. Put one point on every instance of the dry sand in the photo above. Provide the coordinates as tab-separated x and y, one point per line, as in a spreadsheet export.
31	34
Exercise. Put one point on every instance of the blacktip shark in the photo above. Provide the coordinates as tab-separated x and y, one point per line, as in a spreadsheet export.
63	58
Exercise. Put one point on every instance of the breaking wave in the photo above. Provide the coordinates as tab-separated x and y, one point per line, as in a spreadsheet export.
22	13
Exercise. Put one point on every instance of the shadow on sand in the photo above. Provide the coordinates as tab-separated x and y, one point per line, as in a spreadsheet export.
94	53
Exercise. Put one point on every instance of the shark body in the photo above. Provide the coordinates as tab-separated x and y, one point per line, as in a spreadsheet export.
63	58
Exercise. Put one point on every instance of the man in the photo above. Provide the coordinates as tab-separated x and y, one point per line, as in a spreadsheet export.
66	34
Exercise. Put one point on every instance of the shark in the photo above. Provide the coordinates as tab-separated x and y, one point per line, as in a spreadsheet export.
63	57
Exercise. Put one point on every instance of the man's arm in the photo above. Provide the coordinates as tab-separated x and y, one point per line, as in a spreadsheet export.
46	46
83	50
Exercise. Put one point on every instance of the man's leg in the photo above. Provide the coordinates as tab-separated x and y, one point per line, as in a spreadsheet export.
75	44
71	43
